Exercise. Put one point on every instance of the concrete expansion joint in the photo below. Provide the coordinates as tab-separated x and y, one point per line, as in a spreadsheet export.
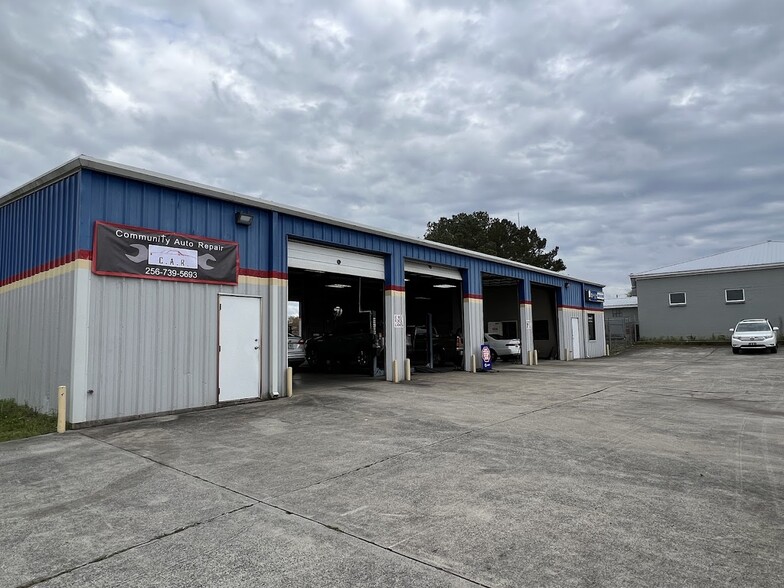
366	541
171	467
106	556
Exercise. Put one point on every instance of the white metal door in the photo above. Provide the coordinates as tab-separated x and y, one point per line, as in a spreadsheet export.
576	339
239	348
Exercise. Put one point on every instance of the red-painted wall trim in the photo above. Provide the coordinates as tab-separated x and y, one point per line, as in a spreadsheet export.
394	288
87	254
472	296
526	302
263	274
45	267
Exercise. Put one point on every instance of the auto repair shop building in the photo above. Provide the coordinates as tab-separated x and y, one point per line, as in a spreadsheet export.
146	294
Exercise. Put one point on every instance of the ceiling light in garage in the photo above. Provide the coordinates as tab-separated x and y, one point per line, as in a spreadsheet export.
338	286
421	297
444	286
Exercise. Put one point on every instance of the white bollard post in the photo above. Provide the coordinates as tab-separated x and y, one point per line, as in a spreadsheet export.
289	381
536	357
473	363
408	369
394	371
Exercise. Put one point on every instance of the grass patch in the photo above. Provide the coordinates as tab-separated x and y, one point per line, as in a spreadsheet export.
18	422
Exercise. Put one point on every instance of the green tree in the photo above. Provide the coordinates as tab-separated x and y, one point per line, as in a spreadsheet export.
477	231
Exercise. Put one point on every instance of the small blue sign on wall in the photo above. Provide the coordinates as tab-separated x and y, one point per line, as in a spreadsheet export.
594	296
487	358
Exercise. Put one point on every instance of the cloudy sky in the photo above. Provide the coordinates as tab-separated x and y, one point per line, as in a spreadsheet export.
630	134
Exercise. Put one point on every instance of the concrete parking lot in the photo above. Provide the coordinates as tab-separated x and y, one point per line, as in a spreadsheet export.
663	466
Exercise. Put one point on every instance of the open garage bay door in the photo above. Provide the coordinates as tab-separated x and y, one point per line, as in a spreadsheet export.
428	269
336	261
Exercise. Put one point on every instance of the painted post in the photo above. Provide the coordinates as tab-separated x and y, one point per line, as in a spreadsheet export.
289	381
408	369
61	409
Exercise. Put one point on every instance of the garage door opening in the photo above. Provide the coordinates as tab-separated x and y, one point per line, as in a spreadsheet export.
545	321
501	312
434	321
336	323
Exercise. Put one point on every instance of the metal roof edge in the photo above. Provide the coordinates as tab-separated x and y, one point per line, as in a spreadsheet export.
64	170
717	270
135	173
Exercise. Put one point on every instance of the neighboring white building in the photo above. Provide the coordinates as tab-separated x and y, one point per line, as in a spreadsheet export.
703	298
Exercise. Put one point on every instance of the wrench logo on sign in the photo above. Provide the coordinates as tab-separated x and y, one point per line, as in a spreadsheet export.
205	260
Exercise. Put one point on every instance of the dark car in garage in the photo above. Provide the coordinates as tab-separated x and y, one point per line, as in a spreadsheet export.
447	349
348	344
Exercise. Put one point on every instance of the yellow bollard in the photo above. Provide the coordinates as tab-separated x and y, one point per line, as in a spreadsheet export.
408	370
289	381
394	371
536	357
473	363
61	409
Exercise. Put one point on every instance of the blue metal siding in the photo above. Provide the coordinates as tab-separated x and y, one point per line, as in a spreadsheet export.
473	268
39	229
130	202
263	244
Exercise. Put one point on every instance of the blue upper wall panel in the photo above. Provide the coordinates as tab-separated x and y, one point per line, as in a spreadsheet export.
39	230
140	204
263	245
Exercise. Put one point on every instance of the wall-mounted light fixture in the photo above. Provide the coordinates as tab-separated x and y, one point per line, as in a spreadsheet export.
338	285
243	218
444	286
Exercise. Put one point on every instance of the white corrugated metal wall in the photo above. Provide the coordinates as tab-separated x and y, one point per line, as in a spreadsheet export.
36	331
153	345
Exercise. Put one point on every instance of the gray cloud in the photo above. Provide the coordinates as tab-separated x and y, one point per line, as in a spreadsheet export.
632	135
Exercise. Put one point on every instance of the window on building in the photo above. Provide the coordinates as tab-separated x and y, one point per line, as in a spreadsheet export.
591	326
677	298
735	295
617	312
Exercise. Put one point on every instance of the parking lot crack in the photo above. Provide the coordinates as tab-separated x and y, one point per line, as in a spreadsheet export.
178	470
106	556
337	529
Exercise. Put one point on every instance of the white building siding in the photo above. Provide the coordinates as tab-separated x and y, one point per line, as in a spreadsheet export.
36	331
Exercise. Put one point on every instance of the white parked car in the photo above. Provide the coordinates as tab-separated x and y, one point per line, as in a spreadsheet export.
296	351
503	348
754	334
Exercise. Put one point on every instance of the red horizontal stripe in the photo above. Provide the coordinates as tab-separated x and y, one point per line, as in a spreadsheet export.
570	307
525	302
394	288
263	274
45	267
472	296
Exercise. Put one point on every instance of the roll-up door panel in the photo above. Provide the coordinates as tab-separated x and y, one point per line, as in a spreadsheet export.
338	261
428	269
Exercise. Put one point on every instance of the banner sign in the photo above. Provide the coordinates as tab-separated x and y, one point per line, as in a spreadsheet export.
131	252
594	296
